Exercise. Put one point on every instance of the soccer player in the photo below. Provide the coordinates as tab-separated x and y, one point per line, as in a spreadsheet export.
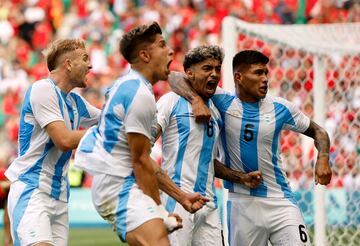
253	123
125	188
50	118
189	149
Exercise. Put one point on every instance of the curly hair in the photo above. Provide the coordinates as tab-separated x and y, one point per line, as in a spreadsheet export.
202	53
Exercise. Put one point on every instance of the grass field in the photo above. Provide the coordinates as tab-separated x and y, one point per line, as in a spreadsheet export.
105	237
89	237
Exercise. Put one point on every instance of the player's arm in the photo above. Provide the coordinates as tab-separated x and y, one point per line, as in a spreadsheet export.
181	87
63	138
139	146
251	179
190	201
322	143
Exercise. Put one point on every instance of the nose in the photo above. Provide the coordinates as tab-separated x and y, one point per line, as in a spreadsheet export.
215	73
171	52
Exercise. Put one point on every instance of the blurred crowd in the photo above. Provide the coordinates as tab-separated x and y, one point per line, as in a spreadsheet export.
27	26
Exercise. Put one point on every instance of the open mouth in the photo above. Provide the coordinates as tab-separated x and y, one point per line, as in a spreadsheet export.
263	89
168	65
211	84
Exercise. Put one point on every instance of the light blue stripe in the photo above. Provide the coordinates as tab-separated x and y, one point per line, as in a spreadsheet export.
214	191
248	143
229	205
19	211
69	109
122	206
26	129
31	176
124	96
205	159
81	108
60	102
170	204
223	102
181	112
88	143
282	116
57	178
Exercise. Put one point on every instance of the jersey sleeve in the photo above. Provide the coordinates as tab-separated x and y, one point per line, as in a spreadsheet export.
45	103
141	115
164	108
222	99
297	121
88	114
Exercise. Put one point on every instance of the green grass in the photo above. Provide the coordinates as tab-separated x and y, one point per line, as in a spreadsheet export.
106	237
89	237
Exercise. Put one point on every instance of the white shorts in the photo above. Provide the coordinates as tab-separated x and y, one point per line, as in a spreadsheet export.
200	229
257	220
120	201
36	217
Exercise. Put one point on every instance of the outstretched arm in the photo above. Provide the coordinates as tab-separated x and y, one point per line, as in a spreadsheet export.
181	87
251	180
322	143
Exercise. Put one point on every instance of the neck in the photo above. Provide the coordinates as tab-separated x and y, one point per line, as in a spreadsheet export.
244	98
145	71
61	80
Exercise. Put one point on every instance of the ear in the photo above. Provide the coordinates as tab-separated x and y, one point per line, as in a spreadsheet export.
68	64
190	74
237	77
144	55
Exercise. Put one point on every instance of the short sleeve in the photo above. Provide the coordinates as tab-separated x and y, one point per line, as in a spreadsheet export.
45	103
296	120
88	114
164	108
141	115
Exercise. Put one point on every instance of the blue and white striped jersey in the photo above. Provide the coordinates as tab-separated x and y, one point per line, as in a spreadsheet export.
39	163
251	140
129	108
188	148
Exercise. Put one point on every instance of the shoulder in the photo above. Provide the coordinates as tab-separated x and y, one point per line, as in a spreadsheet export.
169	97
42	86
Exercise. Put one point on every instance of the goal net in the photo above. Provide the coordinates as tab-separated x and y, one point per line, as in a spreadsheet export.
318	68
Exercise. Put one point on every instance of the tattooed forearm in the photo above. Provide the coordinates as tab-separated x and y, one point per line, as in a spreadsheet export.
181	87
320	136
223	172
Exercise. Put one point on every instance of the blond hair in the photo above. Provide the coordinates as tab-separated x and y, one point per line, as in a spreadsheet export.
60	47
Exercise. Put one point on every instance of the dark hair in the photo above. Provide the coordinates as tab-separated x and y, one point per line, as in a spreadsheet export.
202	53
248	57
137	38
59	47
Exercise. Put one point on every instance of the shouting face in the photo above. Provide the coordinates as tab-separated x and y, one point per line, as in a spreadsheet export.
204	77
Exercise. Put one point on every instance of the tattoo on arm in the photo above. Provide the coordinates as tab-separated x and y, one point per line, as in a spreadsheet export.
223	172
320	136
180	86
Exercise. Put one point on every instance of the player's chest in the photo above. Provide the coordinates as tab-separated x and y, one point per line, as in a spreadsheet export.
251	126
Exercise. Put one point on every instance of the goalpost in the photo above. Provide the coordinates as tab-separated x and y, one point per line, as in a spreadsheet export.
318	68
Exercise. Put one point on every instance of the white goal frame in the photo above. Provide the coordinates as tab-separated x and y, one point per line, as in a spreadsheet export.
321	39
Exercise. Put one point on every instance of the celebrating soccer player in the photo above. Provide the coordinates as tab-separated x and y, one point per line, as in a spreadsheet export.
253	122
117	151
50	117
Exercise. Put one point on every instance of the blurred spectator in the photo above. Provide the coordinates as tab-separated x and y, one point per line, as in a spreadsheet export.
26	27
